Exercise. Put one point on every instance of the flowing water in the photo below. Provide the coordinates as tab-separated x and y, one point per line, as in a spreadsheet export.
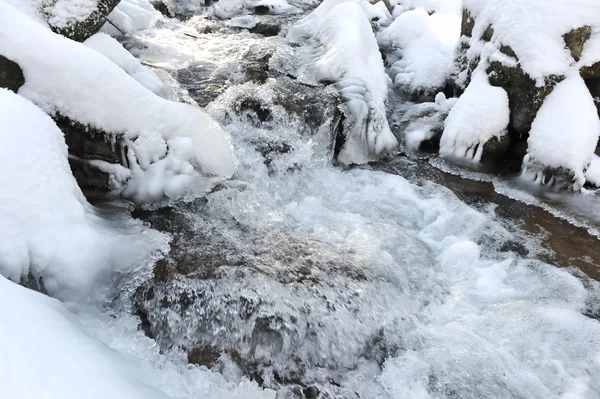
395	280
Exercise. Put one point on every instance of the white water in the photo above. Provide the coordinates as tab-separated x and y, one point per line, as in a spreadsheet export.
408	295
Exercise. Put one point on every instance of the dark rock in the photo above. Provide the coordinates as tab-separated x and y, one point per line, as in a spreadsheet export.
87	143
467	24
80	31
11	75
525	97
161	7
507	50
576	39
204	356
266	29
591	77
488	34
495	149
33	283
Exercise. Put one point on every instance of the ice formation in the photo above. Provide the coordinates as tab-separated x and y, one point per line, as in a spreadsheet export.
130	16
344	50
481	113
563	135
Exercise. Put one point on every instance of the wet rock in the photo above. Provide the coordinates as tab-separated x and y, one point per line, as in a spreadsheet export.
576	39
525	97
495	149
161	7
266	29
11	75
206	356
87	143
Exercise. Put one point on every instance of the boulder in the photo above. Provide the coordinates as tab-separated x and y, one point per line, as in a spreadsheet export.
81	30
11	75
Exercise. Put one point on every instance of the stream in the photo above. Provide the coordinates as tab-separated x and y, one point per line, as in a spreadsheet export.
405	278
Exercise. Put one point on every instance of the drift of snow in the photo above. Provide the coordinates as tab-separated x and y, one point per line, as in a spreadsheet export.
113	50
46	222
534	30
112	101
427	44
564	133
481	113
345	51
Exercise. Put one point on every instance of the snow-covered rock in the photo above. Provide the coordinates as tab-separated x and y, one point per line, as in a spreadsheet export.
480	114
48	227
130	16
426	45
344	50
563	136
92	91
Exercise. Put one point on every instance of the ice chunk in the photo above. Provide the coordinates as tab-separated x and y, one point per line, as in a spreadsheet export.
479	114
563	136
345	51
130	16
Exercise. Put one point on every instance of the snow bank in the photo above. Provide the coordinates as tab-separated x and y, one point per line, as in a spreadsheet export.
534	29
427	44
130	16
57	70
481	113
46	222
112	49
564	134
345	51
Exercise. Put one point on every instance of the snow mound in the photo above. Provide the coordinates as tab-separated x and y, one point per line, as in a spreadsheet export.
112	49
481	113
534	30
113	101
426	43
563	136
130	16
345	51
48	228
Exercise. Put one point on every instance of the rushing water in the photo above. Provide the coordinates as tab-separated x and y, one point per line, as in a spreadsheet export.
313	280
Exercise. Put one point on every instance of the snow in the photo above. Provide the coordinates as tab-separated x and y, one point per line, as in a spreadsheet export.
112	101
112	49
46	222
278	6
427	44
57	13
226	9
481	113
344	50
130	16
431	6
564	133
534	30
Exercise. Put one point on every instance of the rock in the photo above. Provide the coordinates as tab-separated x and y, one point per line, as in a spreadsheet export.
161	7
467	23
495	149
576	39
266	29
11	75
525	97
82	30
591	77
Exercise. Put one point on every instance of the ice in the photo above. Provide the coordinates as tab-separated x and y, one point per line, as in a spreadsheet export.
112	101
48	227
480	114
278	7
113	50
130	16
563	135
347	53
